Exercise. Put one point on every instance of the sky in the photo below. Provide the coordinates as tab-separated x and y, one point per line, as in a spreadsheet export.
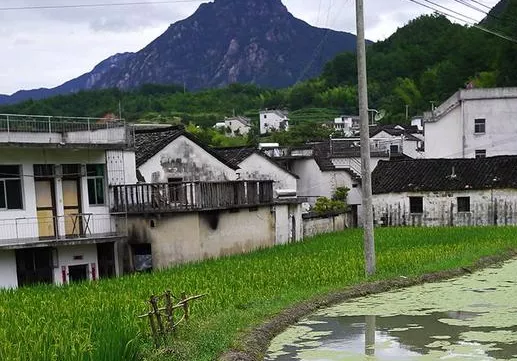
46	47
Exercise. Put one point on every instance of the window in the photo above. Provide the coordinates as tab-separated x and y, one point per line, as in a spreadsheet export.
416	205
394	149
479	126
463	204
10	187
265	116
480	153
95	177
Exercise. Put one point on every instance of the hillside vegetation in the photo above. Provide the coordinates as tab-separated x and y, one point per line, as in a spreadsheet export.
425	61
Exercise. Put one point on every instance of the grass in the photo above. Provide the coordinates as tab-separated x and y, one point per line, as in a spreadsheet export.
96	321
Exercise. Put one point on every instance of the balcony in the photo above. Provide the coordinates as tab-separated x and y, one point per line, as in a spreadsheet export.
72	132
190	196
52	231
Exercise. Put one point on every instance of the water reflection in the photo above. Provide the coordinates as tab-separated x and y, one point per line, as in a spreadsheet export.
483	327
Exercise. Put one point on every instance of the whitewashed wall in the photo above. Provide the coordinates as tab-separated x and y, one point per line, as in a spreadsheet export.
8	276
183	158
453	136
257	167
487	207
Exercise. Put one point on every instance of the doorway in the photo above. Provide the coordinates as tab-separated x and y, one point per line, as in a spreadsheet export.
45	208
78	273
34	265
72	207
106	257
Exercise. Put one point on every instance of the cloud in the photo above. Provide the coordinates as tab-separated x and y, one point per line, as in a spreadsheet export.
48	47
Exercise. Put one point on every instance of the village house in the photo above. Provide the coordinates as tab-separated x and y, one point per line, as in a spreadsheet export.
398	140
255	165
348	125
473	123
323	167
273	120
192	203
446	192
55	220
235	126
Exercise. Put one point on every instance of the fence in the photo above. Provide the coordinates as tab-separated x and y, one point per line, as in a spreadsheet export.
74	226
62	130
165	319
190	196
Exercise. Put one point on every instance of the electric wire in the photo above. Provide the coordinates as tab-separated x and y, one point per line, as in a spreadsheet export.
81	6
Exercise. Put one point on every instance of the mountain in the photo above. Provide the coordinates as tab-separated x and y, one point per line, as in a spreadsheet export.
223	42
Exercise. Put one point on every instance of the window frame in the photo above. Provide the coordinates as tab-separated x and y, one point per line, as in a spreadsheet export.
480	153
95	178
4	179
478	124
461	201
413	209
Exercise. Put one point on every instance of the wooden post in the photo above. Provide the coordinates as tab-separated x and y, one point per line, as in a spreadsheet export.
156	312
169	310
153	328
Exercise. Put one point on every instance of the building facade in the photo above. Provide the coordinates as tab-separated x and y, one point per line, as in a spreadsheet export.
446	192
55	220
273	120
473	123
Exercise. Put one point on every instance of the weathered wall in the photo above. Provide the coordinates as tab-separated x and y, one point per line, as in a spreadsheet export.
184	159
8	276
257	167
318	225
487	207
180	238
443	139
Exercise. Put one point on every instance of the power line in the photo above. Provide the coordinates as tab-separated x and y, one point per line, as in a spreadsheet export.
78	6
500	35
480	3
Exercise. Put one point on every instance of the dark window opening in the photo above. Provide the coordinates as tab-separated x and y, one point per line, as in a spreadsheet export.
142	257
78	273
43	170
394	149
10	187
416	204
479	125
463	204
480	153
34	266
95	177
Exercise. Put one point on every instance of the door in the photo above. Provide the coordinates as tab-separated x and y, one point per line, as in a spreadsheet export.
78	273
106	256
34	265
45	208
72	207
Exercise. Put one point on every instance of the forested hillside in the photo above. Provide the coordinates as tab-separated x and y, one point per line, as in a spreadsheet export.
425	61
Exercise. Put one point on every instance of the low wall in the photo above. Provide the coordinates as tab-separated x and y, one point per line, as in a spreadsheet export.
314	225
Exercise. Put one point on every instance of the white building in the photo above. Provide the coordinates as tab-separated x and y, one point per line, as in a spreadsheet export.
446	192
55	221
271	120
255	165
398	140
235	126
473	123
347	124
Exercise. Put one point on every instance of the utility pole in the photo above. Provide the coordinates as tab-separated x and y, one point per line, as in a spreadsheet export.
369	243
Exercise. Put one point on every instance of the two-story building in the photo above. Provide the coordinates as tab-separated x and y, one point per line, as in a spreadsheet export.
473	123
55	221
273	120
235	126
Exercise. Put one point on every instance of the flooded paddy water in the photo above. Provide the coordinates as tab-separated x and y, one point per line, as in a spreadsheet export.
469	318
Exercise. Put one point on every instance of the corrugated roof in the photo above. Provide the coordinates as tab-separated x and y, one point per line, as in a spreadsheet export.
444	174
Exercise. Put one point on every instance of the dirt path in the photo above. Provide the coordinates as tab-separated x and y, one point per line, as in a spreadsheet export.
256	342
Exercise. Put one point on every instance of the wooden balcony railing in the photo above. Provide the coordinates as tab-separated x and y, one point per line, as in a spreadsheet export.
190	196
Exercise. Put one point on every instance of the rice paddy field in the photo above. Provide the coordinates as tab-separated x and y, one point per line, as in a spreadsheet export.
98	321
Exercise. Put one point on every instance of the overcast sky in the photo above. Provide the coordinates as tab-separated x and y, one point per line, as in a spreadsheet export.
46	47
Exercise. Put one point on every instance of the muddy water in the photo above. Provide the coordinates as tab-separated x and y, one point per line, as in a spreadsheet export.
468	318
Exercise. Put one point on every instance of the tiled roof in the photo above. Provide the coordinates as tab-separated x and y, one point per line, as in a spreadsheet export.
394	129
148	142
244	120
235	155
444	174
